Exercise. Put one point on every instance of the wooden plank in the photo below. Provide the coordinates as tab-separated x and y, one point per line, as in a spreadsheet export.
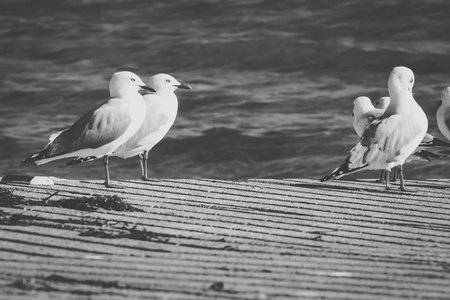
224	239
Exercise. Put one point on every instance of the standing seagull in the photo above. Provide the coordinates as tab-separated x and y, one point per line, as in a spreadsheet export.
443	113
365	113
388	141
100	131
161	113
429	142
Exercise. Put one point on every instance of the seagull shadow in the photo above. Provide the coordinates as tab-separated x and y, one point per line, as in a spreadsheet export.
321	186
427	186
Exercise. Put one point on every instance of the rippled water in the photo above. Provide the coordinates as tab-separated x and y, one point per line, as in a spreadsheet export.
274	81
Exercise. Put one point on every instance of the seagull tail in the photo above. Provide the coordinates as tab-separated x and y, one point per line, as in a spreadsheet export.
443	153
426	155
51	151
434	142
342	170
79	160
37	156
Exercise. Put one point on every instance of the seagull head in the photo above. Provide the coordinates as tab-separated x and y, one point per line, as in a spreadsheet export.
163	83
401	78
125	81
445	97
361	105
382	103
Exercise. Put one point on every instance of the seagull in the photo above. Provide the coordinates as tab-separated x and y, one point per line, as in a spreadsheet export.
389	140
100	131
365	113
443	113
428	142
162	109
423	152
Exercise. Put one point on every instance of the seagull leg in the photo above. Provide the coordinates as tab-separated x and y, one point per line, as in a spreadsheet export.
145	156
395	176
382	175
142	165
402	182
387	179
143	161
105	165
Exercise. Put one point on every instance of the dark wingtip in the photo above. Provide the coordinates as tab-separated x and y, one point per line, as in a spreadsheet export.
440	143
435	142
326	178
342	170
35	157
26	161
333	174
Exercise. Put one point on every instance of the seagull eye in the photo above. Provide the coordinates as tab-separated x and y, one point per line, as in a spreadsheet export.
132	79
167	80
411	80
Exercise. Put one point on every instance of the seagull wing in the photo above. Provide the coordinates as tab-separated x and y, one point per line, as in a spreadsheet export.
96	128
384	141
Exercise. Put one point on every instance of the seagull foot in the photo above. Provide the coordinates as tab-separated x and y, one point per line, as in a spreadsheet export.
144	178
403	189
113	186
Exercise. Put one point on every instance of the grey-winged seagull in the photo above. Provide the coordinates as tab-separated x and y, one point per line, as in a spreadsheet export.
365	113
101	130
162	109
443	113
388	141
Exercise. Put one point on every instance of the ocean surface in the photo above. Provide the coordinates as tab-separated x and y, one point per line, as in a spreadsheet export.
273	81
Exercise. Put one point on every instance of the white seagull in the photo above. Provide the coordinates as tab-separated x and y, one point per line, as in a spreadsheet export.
162	109
443	113
429	142
100	131
365	113
388	141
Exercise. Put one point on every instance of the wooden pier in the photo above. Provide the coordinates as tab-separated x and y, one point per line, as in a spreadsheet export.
256	239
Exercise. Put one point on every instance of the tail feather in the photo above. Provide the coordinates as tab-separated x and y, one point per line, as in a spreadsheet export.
342	170
53	149
434	142
426	155
37	156
443	153
79	160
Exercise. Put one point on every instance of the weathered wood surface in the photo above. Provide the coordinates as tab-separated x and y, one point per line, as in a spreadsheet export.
218	239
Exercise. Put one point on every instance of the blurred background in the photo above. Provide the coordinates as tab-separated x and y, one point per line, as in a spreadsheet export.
274	81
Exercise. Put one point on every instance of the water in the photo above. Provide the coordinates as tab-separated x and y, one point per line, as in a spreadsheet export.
274	81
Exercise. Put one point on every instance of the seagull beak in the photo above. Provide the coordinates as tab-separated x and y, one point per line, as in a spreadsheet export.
439	103
184	86
147	88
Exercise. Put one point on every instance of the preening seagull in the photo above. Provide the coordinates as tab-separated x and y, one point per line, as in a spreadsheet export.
365	113
388	141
